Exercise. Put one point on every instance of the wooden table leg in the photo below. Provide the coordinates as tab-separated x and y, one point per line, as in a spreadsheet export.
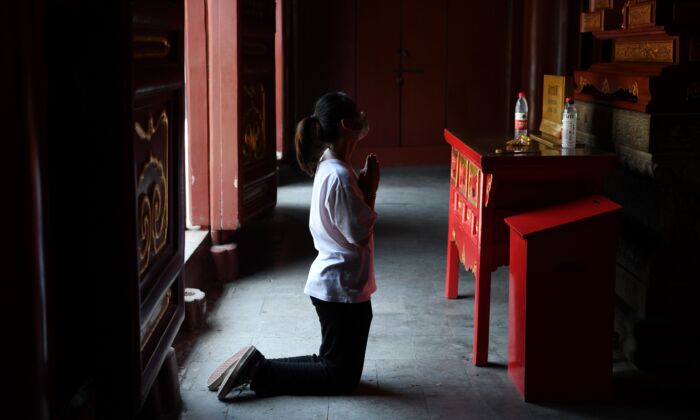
482	305
452	272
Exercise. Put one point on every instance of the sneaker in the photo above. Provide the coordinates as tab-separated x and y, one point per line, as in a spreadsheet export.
240	372
220	372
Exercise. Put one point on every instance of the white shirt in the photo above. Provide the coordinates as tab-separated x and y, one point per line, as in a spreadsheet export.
339	218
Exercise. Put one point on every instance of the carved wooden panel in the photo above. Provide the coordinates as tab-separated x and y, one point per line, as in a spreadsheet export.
157	158
655	51
152	159
605	4
257	183
640	15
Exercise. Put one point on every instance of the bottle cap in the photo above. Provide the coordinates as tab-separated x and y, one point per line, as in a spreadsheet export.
521	94
570	100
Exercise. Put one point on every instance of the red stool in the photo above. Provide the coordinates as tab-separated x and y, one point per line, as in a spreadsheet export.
561	302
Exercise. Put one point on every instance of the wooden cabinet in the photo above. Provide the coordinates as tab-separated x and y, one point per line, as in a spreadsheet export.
646	60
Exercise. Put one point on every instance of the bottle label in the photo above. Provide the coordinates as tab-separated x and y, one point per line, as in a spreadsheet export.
568	130
521	121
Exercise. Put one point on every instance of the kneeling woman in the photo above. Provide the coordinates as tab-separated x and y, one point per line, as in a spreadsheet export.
341	279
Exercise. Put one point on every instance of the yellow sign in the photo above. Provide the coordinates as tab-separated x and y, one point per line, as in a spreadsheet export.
555	90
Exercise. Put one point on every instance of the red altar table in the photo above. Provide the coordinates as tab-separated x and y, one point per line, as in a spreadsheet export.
487	186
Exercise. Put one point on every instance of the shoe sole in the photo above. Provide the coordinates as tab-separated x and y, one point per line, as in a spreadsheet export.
234	372
216	377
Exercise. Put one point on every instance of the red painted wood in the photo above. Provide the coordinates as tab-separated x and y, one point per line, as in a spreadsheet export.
516	311
464	71
458	85
242	111
378	39
545	48
479	67
197	111
538	221
279	72
507	184
423	32
223	112
325	49
561	302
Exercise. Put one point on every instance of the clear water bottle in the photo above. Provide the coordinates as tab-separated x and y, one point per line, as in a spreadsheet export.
521	116
568	125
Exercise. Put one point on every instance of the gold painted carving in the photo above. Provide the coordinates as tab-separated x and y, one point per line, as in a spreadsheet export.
489	183
592	21
254	122
152	197
473	184
582	83
151	46
634	89
644	51
454	167
462	176
639	15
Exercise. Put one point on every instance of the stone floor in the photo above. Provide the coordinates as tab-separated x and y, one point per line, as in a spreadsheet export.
418	357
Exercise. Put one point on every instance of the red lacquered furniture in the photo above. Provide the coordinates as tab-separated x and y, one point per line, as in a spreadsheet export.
487	187
561	300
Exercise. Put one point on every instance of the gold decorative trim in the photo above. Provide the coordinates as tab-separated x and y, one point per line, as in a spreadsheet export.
454	167
153	322
152	46
473	175
582	83
489	183
255	122
645	51
463	173
153	198
634	89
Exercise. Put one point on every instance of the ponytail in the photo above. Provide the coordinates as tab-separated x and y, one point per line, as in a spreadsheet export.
307	142
321	128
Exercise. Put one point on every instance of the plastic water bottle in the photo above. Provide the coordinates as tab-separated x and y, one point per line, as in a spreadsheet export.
521	116
568	125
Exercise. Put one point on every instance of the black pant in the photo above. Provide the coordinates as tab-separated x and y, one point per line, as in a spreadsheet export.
337	368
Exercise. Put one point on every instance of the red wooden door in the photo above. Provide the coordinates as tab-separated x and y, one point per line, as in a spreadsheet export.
241	43
378	93
423	33
401	68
